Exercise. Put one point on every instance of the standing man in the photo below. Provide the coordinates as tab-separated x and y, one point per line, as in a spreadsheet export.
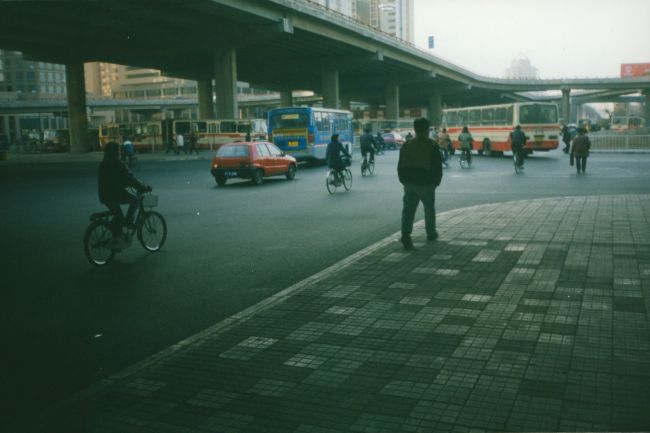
193	143
420	171
518	141
180	143
580	150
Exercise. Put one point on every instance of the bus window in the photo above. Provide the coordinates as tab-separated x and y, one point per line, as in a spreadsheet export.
487	116
200	127
213	127
182	128
243	127
475	117
500	116
452	119
537	113
462	118
509	116
228	126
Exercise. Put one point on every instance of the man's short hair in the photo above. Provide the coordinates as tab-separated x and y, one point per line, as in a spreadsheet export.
421	125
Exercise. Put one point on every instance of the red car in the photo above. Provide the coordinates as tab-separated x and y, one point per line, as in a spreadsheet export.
392	140
253	160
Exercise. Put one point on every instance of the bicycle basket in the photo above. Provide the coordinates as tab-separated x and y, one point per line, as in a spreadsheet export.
150	200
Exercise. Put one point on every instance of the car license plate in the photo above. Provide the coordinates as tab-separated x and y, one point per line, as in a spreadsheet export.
231	174
293	143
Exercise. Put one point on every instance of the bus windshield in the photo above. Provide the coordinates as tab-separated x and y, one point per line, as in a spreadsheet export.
289	120
536	113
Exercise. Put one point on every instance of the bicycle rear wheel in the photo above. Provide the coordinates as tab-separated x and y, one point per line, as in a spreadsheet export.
463	161
347	179
97	243
364	167
152	231
371	167
330	182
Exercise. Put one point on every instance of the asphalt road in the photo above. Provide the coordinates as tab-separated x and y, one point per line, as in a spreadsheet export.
66	324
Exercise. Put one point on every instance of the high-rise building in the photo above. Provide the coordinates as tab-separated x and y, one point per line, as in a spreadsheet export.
26	79
100	78
394	17
521	67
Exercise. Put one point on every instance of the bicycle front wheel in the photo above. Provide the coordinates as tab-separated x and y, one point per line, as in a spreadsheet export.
97	243
152	231
330	182
347	179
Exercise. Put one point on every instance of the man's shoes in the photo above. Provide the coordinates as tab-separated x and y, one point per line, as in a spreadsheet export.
432	237
407	242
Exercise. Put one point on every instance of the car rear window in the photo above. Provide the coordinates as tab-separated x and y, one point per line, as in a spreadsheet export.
232	151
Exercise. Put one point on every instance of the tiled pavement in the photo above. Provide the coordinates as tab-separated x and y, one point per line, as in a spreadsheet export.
523	316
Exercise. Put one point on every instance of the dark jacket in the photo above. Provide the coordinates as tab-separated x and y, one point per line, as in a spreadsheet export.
112	180
333	154
581	145
518	139
420	162
367	141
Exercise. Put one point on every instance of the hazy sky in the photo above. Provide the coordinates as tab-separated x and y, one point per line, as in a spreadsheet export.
562	38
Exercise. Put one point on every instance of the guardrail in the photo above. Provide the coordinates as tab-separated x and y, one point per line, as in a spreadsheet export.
619	142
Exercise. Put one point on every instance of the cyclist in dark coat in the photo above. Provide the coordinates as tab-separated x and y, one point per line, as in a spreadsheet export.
518	141
333	154
112	180
367	142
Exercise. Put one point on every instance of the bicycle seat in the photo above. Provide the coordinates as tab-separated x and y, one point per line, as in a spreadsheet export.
98	215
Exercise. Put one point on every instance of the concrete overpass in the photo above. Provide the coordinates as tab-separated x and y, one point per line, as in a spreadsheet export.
281	45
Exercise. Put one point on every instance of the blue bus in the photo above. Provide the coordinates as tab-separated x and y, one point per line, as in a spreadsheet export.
304	132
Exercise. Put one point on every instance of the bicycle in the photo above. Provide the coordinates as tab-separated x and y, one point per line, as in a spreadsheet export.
367	166
336	178
465	159
100	243
519	163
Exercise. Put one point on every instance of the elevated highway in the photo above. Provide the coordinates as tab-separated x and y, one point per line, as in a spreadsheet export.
281	45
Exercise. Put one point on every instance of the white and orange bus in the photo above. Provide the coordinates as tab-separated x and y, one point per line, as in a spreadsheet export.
491	125
626	123
210	134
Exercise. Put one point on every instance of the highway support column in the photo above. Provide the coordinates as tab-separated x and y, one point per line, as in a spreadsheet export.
392	102
435	109
286	98
225	72
330	89
206	106
566	106
77	119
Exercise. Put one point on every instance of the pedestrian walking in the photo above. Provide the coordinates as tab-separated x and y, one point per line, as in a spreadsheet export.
566	138
420	171
580	150
465	139
180	144
192	141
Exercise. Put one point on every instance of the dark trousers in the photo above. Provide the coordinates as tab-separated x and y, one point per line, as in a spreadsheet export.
118	219
581	163
413	195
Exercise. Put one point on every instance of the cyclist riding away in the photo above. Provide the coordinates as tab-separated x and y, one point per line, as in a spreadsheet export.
128	151
112	180
518	141
333	155
368	145
465	139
